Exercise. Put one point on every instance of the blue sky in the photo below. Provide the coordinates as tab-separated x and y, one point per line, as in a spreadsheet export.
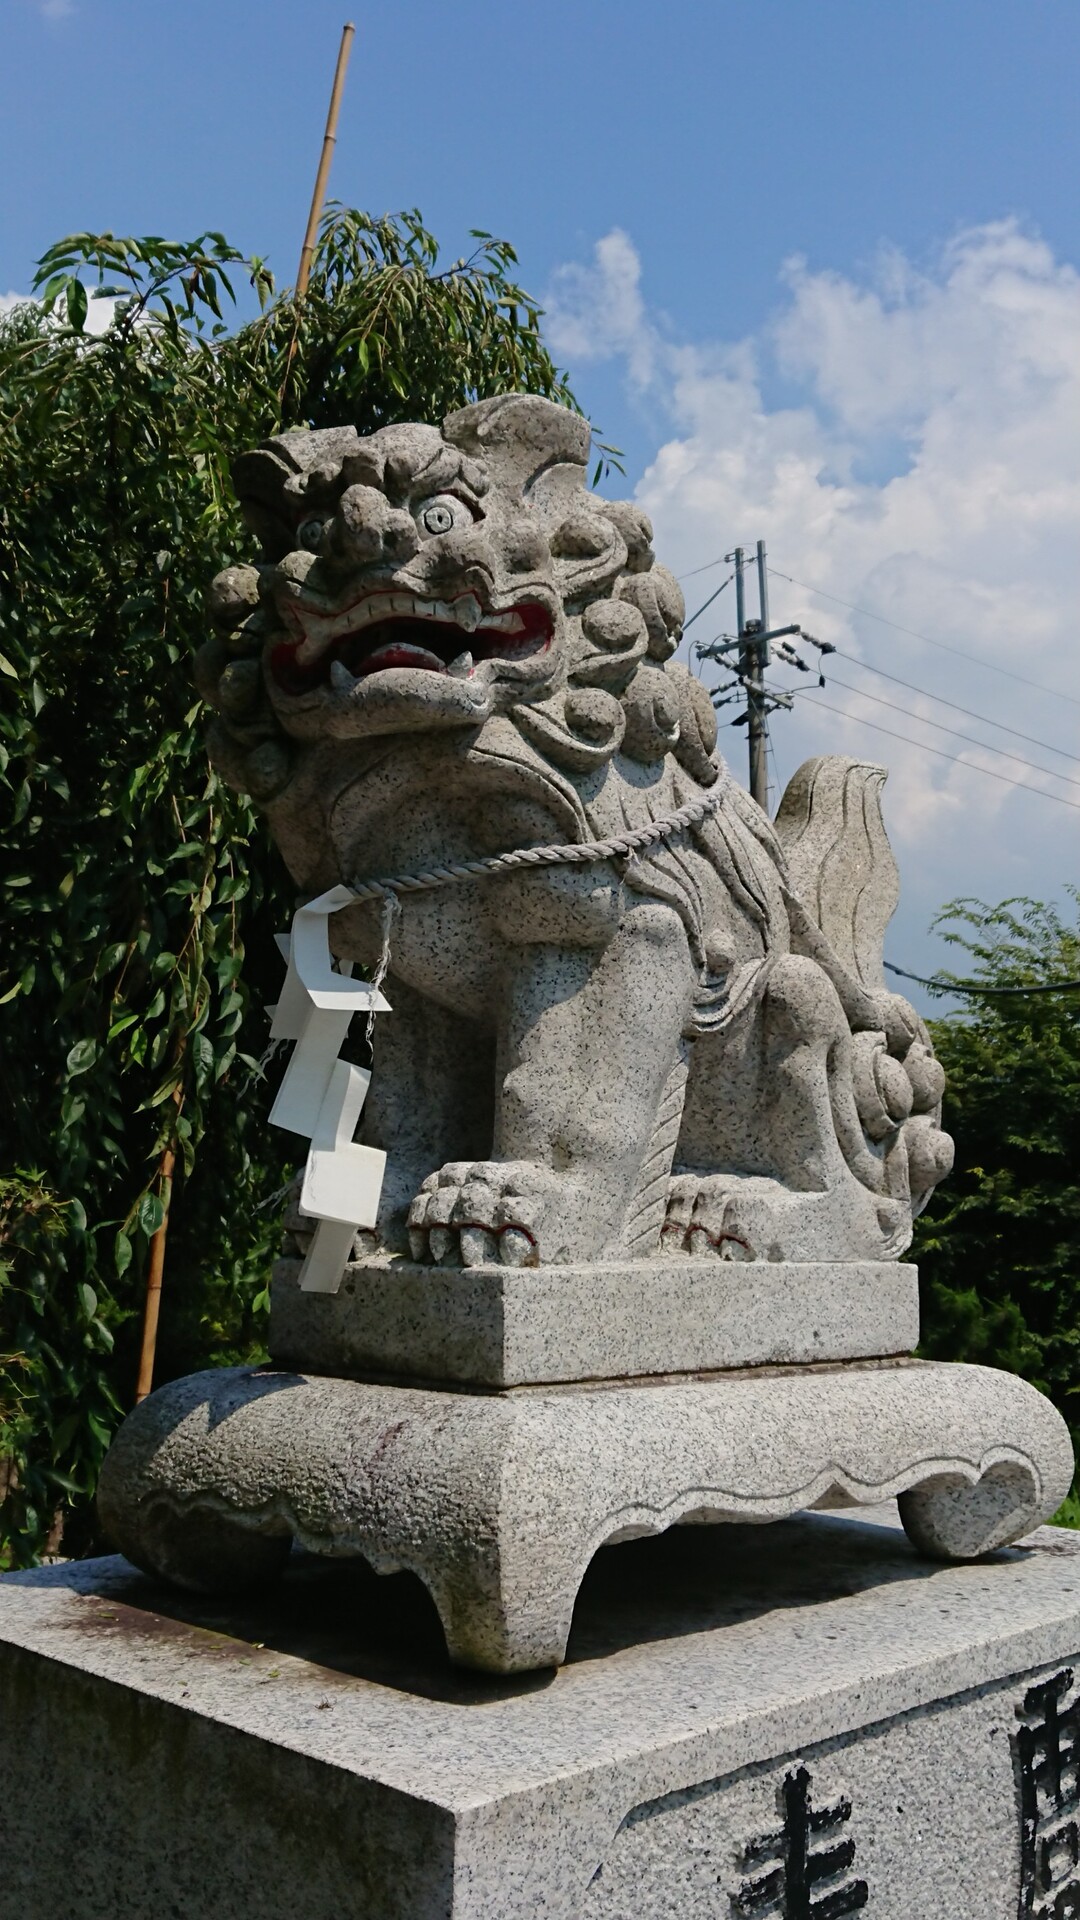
812	263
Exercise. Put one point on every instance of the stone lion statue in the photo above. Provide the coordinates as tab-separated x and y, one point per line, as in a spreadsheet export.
449	650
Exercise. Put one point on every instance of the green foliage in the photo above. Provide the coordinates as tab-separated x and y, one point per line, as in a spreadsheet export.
141	894
57	1406
999	1245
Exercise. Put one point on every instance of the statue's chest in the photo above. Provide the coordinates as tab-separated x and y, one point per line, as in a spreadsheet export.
415	817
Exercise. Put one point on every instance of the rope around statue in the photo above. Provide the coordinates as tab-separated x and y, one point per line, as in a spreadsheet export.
321	1095
620	847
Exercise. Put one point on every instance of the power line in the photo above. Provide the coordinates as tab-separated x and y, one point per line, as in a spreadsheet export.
956	759
964	986
1002	752
969	713
709	564
914	634
708	602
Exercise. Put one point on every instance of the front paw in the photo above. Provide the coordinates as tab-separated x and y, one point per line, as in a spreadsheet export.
702	1220
512	1213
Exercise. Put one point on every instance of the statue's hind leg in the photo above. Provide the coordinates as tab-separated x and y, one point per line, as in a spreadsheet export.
775	1162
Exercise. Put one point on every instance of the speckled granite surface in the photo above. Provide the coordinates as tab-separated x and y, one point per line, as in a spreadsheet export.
740	1706
514	1326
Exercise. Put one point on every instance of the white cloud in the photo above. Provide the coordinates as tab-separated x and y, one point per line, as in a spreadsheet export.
99	312
54	9
597	311
925	468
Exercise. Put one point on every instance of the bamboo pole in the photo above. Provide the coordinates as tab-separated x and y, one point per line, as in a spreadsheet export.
152	1309
307	251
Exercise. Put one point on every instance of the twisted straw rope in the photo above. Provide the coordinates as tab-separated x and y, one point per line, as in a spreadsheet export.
619	848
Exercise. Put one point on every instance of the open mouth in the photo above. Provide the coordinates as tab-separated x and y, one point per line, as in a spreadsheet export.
387	630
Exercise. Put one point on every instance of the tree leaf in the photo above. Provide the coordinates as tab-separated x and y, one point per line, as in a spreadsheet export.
150	1213
76	305
82	1056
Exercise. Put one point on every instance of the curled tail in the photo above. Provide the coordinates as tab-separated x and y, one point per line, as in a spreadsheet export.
839	860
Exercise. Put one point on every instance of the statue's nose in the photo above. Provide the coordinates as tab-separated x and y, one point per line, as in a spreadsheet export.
366	529
451	554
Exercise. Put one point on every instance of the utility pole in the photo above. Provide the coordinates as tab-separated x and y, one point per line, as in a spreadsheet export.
752	646
754	639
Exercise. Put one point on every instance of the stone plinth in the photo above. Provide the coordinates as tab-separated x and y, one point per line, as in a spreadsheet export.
499	1501
509	1327
175	1757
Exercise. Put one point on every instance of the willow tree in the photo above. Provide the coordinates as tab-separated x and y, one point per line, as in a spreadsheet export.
142	894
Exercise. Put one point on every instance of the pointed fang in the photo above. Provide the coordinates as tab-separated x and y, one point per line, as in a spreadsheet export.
340	676
461	668
468	612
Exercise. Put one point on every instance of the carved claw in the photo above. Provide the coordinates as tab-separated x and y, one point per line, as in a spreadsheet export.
508	1213
518	1248
479	1246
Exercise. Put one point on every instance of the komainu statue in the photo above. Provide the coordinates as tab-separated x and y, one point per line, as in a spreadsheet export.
607	1236
451	651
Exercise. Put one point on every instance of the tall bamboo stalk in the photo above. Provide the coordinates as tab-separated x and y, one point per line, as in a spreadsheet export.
155	1271
307	251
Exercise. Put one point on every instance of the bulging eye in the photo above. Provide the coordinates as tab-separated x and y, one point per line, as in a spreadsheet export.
441	512
309	533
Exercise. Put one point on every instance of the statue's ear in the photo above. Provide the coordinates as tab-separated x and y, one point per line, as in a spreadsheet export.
520	438
272	481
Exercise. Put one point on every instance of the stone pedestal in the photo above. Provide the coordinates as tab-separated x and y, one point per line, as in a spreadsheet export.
531	1326
801	1719
499	1501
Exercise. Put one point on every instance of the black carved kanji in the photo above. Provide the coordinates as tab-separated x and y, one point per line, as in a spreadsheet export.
793	1890
1047	1747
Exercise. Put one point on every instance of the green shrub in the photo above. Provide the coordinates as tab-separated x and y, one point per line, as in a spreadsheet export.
142	895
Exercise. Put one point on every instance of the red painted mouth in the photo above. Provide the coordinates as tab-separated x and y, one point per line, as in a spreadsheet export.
412	639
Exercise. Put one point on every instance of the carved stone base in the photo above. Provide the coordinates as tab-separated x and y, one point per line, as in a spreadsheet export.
802	1704
499	1502
526	1326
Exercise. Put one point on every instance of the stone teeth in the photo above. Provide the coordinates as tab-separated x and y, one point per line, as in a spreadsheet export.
342	679
503	623
461	668
467	611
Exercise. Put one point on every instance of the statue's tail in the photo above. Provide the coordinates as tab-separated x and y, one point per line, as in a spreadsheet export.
648	1209
840	864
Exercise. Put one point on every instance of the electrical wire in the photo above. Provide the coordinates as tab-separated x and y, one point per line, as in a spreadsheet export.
924	747
963	986
914	634
940	700
709	564
1002	752
708	602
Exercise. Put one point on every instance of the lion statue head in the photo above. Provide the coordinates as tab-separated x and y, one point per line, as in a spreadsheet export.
424	578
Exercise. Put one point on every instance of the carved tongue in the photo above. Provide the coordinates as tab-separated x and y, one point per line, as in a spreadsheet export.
400	653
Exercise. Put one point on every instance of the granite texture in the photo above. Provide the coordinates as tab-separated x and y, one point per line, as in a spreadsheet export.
181	1758
451	651
500	1501
507	1327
